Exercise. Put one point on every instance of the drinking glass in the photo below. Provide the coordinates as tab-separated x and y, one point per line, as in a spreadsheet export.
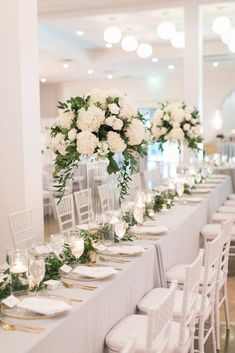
77	246
180	188
37	270
198	178
57	243
120	229
138	214
18	261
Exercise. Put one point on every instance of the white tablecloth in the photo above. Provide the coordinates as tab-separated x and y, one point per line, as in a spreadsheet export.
84	329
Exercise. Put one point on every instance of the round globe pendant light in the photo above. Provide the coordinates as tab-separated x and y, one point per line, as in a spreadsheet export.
228	36
144	50
166	30
129	43
178	40
112	35
221	24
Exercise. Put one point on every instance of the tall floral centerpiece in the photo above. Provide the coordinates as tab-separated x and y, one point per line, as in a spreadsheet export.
99	125
178	122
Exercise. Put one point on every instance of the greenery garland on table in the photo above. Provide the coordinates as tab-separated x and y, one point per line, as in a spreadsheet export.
163	198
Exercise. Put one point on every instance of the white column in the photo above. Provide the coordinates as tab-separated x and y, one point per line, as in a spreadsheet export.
20	145
193	56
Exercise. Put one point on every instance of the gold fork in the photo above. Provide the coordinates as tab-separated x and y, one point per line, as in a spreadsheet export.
12	327
76	285
119	261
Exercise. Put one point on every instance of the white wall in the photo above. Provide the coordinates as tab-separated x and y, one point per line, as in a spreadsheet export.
218	83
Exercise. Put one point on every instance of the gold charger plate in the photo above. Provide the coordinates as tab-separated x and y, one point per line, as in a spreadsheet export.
24	314
76	277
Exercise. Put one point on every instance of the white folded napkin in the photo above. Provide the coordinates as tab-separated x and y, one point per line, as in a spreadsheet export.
201	191
44	306
151	223
194	199
126	250
207	185
149	230
95	272
218	176
215	181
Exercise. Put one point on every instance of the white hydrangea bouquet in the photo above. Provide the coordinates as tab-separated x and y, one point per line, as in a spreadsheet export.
98	125
177	122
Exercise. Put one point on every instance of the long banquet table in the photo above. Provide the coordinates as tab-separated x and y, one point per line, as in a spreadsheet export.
83	330
227	170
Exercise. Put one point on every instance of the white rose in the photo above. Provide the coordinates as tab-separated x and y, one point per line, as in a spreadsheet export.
196	130
86	143
188	116
72	134
90	119
135	132
117	124
178	115
65	119
156	132
58	144
98	96
189	108
115	142
186	127
158	114
114	108
127	108
176	134
166	117
176	125
110	120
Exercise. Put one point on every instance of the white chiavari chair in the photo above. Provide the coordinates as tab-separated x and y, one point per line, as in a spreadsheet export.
222	283
232	197
103	192
21	228
65	213
226	209
154	331
83	206
185	304
219	217
48	203
208	283
229	203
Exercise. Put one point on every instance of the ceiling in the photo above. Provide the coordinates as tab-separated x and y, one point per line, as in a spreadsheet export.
58	43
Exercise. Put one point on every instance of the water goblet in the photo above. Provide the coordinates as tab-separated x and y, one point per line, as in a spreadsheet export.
37	270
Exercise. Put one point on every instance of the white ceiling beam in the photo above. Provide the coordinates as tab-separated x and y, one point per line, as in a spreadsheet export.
91	8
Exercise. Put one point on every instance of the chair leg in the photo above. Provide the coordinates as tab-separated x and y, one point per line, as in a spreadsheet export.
226	309
201	328
217	320
212	322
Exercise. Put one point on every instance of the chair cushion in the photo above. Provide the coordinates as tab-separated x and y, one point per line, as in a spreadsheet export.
226	209
137	324
210	231
229	202
158	294
232	197
177	273
219	217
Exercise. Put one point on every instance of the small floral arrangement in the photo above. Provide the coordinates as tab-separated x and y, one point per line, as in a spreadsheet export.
99	125
178	122
163	199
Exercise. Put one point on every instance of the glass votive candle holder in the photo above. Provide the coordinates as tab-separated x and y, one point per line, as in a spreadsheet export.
18	261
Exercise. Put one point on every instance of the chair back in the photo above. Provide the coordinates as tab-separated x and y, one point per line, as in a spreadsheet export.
159	323
21	228
83	206
212	263
65	213
130	345
227	227
103	192
189	307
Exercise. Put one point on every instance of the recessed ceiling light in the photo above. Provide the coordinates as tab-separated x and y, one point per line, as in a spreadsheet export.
79	33
154	60
108	45
43	80
171	67
90	72
65	65
110	76
215	64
